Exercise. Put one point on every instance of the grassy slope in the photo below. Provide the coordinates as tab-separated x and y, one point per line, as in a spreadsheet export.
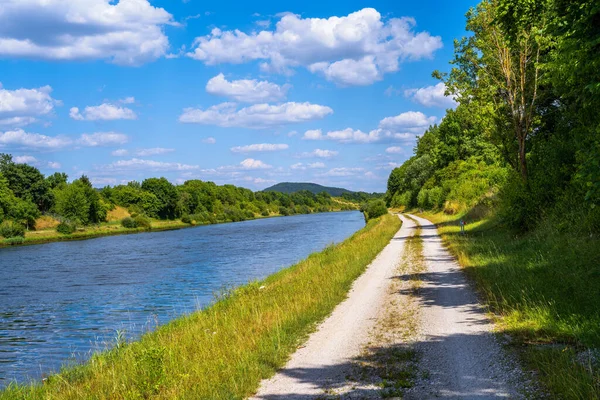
544	290
225	350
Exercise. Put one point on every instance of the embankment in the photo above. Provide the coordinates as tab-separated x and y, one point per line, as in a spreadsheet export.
223	351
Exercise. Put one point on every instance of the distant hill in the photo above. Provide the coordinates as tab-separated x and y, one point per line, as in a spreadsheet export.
291	187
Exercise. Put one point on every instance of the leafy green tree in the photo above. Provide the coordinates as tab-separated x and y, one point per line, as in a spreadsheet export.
57	179
72	202
165	192
25	212
26	182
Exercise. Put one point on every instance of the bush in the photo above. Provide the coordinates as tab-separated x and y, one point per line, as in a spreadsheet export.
66	228
14	240
11	229
284	211
186	219
129	223
374	209
142	221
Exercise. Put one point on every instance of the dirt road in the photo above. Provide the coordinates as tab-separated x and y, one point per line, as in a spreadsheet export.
457	354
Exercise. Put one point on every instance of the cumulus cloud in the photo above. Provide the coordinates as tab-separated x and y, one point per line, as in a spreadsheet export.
410	121
256	116
250	163
350	135
357	49
302	166
119	153
18	138
319	153
147	165
103	112
260	147
54	165
21	107
127	32
102	139
394	150
246	90
343	171
153	151
431	96
25	160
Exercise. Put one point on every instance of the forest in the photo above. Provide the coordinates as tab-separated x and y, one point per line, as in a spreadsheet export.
517	161
26	195
524	138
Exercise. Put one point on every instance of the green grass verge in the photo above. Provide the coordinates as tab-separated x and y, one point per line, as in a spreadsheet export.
544	290
223	351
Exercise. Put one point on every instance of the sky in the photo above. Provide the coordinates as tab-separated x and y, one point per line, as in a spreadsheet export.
247	93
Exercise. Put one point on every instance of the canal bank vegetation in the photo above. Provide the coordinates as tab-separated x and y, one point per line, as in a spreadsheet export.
35	208
518	160
223	351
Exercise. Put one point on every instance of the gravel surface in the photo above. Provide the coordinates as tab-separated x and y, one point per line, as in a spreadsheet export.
458	354
458	348
322	364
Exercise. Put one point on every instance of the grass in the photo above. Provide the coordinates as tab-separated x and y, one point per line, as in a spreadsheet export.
543	289
223	351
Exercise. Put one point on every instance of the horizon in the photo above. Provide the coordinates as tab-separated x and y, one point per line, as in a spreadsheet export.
187	91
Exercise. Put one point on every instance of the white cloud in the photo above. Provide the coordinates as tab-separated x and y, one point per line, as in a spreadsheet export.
127	32
246	90
102	139
25	160
20	139
356	49
120	153
153	151
319	153
209	140
103	112
431	96
250	163
394	150
127	100
255	116
411	121
302	167
147	165
21	107
53	165
343	172
260	147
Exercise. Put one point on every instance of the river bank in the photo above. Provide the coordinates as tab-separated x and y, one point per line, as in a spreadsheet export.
224	350
114	228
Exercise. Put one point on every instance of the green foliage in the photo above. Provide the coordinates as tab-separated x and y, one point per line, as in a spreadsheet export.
166	194
25	212
14	241
142	221
129	223
374	209
66	228
72	202
10	229
26	182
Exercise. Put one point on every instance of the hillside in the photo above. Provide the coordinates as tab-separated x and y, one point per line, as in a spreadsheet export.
291	187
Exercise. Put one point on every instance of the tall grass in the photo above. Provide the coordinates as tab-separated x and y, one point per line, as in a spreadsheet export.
223	351
544	289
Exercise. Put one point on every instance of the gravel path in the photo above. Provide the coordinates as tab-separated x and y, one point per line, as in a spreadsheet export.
457	348
326	358
459	356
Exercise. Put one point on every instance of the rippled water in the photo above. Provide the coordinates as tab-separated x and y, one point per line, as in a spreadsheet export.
61	301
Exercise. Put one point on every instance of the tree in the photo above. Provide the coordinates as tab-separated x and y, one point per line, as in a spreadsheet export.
166	194
26	182
72	203
25	212
57	179
498	71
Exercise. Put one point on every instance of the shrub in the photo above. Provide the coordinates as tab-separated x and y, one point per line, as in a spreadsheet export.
265	213
10	229
14	240
66	228
375	209
142	221
186	219
129	222
284	211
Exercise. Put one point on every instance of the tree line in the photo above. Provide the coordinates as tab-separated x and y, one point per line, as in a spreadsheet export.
525	136
26	194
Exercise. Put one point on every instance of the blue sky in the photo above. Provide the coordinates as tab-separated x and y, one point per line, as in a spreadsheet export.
248	93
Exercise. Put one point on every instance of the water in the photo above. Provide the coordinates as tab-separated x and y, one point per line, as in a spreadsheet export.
61	301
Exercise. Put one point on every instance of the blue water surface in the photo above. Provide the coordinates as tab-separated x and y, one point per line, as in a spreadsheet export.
61	301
